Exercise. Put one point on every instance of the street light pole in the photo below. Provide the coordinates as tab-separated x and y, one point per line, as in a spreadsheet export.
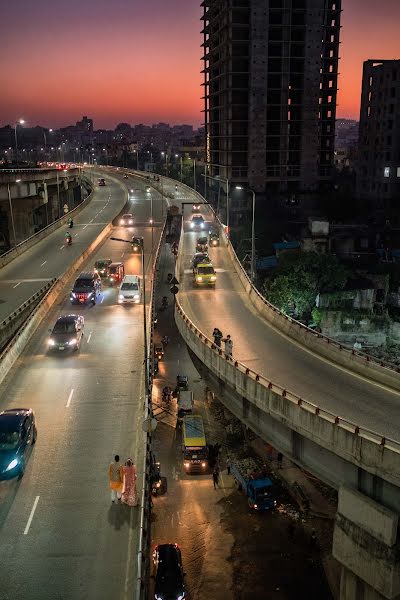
194	175
19	122
181	169
12	216
146	357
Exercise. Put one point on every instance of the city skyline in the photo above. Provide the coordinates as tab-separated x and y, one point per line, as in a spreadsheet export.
105	86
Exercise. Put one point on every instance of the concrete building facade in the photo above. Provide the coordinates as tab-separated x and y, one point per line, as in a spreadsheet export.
270	86
378	171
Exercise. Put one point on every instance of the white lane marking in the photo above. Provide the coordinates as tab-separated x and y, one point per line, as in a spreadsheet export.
101	301
89	336
61	247
69	398
84	227
43	263
122	255
76	235
17	284
91	221
31	515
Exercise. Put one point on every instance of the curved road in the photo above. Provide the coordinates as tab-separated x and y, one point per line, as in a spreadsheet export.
272	354
89	406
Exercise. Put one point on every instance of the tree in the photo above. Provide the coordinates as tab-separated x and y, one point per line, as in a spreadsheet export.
300	277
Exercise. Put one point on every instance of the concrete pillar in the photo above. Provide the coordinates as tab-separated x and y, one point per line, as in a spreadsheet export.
365	542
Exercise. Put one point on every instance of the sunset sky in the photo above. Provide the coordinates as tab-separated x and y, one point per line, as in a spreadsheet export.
139	60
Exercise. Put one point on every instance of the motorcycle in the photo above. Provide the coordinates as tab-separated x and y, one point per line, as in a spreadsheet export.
68	240
156	480
70	224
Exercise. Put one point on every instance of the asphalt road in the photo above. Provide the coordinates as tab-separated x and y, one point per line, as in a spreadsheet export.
60	536
49	258
268	352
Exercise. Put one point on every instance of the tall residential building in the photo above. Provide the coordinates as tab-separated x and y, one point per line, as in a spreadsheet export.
270	80
378	172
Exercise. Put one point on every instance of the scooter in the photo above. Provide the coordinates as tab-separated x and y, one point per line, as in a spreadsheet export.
156	479
68	241
70	224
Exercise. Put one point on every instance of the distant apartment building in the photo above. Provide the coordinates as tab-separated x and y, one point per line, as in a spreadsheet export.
270	85
378	171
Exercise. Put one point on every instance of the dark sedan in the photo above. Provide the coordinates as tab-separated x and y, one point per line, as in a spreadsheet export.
17	434
67	333
169	584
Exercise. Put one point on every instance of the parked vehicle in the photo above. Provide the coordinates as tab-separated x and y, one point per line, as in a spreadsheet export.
195	449
258	488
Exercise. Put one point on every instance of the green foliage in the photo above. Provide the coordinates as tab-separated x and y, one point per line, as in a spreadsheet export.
300	277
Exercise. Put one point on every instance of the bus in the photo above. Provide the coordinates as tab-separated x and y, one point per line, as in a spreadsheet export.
195	450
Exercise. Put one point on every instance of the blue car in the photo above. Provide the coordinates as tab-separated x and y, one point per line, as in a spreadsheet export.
17	434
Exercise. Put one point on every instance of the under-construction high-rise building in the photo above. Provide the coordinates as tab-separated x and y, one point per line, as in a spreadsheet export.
270	86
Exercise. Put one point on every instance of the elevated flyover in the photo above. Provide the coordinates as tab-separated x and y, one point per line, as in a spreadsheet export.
329	417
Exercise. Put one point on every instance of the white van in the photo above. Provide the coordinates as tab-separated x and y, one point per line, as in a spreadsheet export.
130	290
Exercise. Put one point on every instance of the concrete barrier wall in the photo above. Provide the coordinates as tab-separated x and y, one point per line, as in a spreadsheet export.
7	257
15	348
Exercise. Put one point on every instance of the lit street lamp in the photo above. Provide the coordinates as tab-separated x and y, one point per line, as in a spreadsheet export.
252	270
19	122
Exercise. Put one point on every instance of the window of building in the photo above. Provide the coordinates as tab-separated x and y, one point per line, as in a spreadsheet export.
332	39
329	99
330	53
329	114
386	172
330	84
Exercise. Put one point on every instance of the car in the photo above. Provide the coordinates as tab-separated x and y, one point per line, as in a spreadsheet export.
86	288
67	333
101	266
116	272
137	243
200	257
197	222
102	181
125	176
196	208
130	290
18	434
126	219
204	274
201	245
169	575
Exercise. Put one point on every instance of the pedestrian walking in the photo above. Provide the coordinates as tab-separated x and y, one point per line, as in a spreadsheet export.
216	477
228	346
129	495
279	459
217	335
115	477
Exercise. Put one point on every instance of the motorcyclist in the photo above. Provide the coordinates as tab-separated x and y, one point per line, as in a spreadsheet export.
70	224
176	187
68	237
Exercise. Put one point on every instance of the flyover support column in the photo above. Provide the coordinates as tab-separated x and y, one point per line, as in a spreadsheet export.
366	544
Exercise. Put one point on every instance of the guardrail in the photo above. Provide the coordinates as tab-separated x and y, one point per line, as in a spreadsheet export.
11	324
8	256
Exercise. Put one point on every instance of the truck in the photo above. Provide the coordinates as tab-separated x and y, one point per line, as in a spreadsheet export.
257	486
195	449
185	404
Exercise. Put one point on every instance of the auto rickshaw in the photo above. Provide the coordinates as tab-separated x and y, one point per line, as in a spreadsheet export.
214	239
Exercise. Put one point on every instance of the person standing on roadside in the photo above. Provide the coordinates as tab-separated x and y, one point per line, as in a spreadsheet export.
115	477
217	335
228	346
216	477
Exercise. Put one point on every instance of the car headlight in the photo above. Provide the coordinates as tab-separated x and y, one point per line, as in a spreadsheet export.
12	464
202	225
73	295
213	278
198	278
136	297
191	225
121	296
203	464
72	342
181	597
255	506
51	342
187	464
130	221
122	222
135	248
111	278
